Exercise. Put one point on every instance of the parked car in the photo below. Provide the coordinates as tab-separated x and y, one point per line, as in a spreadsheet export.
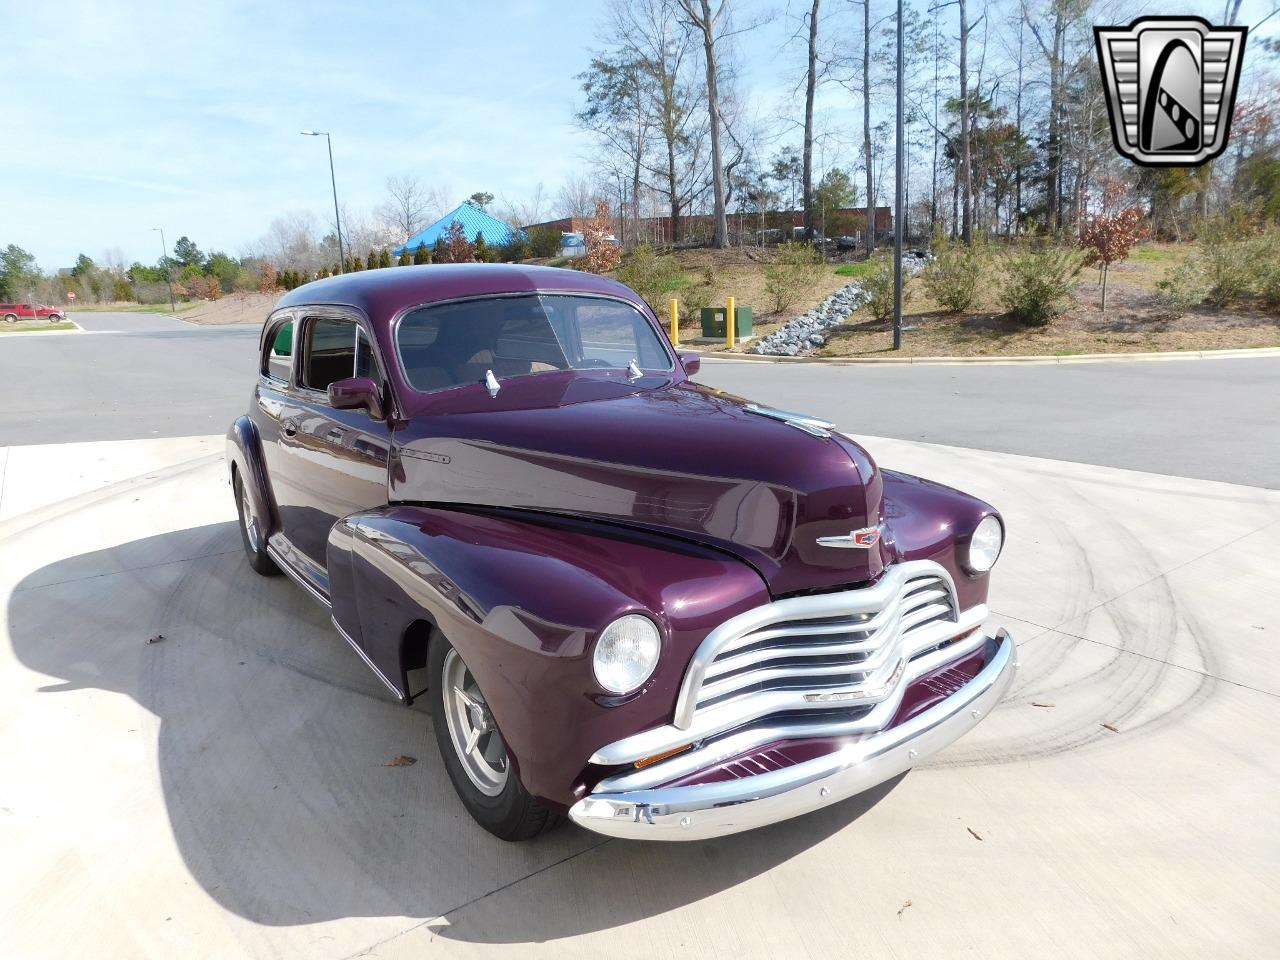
649	605
13	312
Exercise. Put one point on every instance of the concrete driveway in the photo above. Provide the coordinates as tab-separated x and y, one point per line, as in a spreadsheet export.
222	792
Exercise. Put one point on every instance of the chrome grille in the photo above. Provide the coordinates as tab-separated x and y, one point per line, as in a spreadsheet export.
830	648
833	664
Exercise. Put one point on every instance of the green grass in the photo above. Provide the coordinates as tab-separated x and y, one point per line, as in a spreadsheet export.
854	269
26	327
126	307
1150	254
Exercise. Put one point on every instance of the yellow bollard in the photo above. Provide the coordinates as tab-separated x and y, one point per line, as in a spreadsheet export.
673	309
730	324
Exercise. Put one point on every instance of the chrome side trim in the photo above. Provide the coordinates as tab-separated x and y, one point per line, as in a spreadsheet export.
294	575
365	657
301	581
707	810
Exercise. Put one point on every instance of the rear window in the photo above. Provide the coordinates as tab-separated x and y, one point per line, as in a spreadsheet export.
451	344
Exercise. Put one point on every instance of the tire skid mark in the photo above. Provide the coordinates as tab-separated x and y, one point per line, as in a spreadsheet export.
1121	687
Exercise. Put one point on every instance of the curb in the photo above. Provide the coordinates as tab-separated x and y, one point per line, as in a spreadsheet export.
1004	361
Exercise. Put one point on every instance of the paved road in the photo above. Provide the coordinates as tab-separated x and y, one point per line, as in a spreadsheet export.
144	375
1209	419
130	376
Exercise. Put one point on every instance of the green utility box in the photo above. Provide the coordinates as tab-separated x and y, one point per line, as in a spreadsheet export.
713	322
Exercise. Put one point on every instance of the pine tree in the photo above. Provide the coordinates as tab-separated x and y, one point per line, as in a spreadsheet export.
422	254
482	248
384	258
406	258
371	262
440	251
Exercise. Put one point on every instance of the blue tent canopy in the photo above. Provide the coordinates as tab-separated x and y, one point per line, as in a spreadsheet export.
474	222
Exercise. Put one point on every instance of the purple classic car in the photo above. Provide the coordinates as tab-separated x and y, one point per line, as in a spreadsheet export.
657	609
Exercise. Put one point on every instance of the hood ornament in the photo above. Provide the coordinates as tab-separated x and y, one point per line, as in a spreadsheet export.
814	426
491	383
863	539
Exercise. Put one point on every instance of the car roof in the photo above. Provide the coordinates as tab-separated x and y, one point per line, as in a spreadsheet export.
384	293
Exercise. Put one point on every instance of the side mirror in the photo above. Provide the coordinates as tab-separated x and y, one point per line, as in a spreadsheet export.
356	393
692	363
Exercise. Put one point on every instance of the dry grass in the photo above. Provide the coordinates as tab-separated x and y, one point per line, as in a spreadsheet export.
1134	321
234	308
739	273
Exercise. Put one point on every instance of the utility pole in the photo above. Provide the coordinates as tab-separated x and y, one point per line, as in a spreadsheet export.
164	262
899	156
333	181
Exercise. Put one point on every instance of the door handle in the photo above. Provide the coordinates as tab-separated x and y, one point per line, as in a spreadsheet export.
290	428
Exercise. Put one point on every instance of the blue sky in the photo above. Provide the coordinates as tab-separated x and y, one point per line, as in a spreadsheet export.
121	117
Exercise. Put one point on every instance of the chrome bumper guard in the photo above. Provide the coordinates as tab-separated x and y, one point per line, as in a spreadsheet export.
708	810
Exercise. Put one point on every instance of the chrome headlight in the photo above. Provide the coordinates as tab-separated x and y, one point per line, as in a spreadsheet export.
626	653
984	545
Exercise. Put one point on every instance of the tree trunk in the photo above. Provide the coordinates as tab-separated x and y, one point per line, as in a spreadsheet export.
705	21
675	193
811	82
966	181
933	197
1017	172
1104	289
866	124
1053	187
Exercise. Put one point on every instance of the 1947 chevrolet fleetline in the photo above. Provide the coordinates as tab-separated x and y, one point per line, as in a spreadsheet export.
653	607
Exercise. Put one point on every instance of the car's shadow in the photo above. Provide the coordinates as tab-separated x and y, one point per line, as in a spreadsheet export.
273	743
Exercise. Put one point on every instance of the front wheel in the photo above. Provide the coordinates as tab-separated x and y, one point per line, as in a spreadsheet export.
474	753
251	533
10	318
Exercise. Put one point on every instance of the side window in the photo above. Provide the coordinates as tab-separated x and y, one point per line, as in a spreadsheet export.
366	362
280	354
330	353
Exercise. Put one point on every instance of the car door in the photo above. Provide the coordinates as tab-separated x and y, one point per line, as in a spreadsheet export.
330	463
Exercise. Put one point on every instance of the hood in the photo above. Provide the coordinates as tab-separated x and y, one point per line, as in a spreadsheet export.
673	457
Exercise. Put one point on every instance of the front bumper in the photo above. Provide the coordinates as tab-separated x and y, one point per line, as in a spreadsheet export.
714	809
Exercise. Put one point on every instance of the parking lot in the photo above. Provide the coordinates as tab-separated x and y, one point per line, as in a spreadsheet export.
194	761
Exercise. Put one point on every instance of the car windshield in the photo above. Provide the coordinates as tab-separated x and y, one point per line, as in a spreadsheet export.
450	344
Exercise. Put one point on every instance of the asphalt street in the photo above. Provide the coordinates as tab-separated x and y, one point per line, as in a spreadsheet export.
145	375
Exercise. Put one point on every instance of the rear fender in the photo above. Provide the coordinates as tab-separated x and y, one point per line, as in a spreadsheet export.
523	599
244	459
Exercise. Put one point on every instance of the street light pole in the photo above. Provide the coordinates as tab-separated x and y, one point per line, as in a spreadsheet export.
333	181
164	262
897	198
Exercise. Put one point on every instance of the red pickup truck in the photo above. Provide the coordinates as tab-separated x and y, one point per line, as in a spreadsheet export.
13	312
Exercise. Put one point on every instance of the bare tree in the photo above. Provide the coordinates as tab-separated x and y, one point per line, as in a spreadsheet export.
810	88
966	138
410	205
708	25
578	196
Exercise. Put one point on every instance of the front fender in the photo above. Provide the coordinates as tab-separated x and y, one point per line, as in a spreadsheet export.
924	520
244	458
523	599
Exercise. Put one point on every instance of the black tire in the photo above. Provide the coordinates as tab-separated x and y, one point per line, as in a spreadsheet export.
512	814
10	318
255	548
